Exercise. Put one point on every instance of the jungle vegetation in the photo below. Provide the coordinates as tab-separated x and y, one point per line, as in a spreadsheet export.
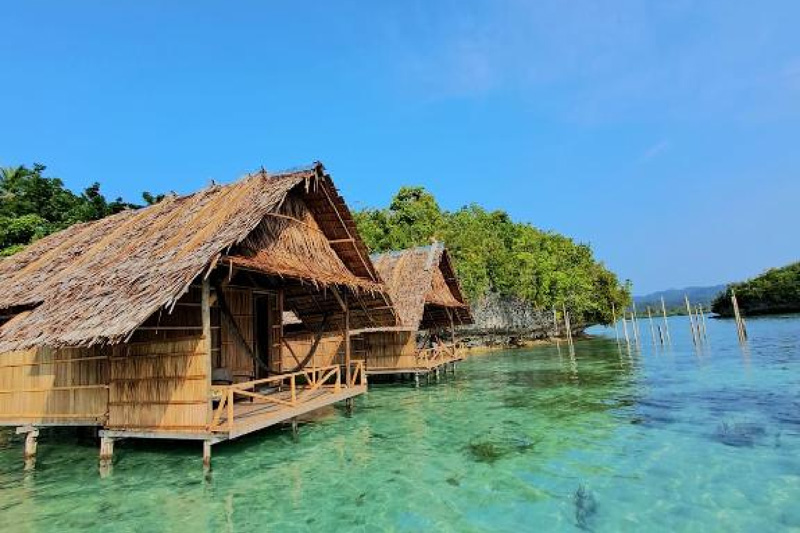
33	205
492	253
775	291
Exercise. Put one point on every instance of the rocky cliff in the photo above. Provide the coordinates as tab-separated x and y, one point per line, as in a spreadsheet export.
508	322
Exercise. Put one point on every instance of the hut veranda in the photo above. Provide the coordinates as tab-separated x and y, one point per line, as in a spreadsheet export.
166	321
429	304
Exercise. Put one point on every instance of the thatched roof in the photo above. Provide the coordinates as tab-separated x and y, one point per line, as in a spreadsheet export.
97	282
423	287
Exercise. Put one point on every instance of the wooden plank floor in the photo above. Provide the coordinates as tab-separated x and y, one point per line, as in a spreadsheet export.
251	416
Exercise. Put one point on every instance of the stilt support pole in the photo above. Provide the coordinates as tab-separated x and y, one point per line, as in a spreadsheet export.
207	455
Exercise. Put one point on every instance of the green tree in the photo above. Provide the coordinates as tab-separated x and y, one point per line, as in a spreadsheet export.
32	206
493	254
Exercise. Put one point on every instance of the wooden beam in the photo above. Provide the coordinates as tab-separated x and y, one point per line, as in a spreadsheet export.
342	299
205	311
347	353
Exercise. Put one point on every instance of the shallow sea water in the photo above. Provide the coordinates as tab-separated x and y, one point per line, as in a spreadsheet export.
675	439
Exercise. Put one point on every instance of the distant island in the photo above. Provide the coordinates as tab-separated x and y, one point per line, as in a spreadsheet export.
674	299
775	291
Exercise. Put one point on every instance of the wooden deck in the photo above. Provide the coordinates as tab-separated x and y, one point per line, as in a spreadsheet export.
243	408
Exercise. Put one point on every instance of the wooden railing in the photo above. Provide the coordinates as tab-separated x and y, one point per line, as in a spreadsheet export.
437	355
299	385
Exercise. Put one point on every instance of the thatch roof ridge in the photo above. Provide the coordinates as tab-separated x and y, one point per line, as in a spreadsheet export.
417	276
97	282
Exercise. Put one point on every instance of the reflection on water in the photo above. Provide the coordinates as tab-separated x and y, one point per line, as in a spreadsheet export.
658	438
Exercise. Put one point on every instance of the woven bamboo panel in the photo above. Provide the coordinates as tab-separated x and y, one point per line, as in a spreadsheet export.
329	352
46	386
390	350
159	385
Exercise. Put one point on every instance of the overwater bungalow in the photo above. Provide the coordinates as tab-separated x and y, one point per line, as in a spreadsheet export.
166	322
429	305
425	291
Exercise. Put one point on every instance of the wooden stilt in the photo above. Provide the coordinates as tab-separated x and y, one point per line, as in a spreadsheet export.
207	454
349	406
614	318
106	449
31	446
295	432
416	379
347	347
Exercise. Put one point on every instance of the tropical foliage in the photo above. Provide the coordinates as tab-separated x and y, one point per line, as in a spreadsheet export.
775	291
32	206
492	253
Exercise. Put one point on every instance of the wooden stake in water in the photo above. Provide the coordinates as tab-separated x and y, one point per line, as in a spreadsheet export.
636	323
555	321
635	329
702	321
666	323
614	317
568	328
691	318
652	326
625	329
740	325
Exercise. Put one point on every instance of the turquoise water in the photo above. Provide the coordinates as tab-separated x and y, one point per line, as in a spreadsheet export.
652	440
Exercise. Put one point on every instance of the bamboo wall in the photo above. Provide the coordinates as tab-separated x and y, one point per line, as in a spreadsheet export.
390	350
158	381
46	386
160	385
330	350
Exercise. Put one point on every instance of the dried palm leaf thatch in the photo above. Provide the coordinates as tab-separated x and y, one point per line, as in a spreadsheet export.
423	287
96	282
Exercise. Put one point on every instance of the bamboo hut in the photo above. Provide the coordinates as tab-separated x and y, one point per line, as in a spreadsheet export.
429	304
166	321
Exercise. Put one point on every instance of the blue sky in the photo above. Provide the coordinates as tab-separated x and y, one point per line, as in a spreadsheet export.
663	133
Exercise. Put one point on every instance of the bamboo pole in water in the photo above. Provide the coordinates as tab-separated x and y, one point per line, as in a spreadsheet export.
701	321
703	316
636	322
625	329
635	329
614	317
666	323
740	325
652	326
691	318
697	327
567	325
555	322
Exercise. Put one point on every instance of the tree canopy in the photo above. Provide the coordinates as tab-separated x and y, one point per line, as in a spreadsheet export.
32	206
775	291
492	253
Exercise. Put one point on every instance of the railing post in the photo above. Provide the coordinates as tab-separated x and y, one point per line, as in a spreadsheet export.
293	389
338	385
230	410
